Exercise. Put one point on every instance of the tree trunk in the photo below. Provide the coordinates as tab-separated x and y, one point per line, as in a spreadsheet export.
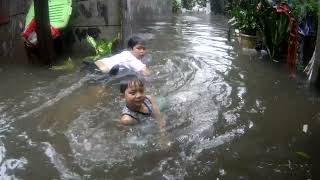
45	44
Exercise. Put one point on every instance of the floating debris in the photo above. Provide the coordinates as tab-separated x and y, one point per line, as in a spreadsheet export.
303	154
305	128
66	66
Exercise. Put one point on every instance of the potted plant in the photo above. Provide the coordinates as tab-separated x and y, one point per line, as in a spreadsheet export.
247	20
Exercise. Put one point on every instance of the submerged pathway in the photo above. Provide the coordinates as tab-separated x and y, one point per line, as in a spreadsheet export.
229	116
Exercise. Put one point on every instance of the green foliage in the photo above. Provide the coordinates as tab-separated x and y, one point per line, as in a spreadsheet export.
176	6
66	66
101	47
276	26
91	42
303	8
247	20
189	4
275	29
202	3
247	17
253	15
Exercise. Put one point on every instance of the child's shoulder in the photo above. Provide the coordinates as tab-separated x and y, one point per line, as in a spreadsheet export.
150	98
127	120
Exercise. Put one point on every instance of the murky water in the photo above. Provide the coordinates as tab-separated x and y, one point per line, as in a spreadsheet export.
229	115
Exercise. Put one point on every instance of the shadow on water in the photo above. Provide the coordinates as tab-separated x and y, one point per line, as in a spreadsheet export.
230	115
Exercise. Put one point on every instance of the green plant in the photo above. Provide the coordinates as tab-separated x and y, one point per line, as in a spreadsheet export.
66	66
101	47
275	29
176	6
245	15
202	3
247	20
188	4
301	9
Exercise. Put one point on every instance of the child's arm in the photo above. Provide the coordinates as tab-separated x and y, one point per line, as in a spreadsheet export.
157	114
145	71
127	120
102	66
164	140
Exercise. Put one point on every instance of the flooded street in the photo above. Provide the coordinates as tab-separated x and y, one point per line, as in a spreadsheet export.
230	115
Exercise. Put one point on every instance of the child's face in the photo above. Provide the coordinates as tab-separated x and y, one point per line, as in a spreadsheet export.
134	96
139	51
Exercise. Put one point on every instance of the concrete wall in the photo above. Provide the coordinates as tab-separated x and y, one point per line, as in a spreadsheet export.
10	39
136	12
98	18
148	9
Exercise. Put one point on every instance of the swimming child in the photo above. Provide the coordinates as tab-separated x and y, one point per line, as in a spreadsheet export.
128	59
138	105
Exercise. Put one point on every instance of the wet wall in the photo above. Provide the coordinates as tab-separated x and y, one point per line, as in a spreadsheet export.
142	9
10	41
137	11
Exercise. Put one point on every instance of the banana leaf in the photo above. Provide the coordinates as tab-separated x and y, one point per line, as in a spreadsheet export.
91	42
101	47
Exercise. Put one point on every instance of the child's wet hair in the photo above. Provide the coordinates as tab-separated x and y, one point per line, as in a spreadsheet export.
132	81
134	40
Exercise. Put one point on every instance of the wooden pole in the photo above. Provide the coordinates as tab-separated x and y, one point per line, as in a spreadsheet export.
45	43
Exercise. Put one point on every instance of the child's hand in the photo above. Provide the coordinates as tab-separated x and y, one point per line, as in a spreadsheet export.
164	141
162	125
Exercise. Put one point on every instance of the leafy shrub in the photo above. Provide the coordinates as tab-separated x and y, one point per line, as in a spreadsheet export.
176	6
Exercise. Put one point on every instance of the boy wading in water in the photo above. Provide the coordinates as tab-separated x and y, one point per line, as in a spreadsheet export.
138	105
128	59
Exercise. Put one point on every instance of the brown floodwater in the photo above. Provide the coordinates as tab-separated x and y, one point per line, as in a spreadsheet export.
230	114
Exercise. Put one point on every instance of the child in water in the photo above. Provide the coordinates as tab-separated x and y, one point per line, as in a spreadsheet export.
129	59
138	105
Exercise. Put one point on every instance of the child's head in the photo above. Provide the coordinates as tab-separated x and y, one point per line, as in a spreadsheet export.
135	40
137	46
132	90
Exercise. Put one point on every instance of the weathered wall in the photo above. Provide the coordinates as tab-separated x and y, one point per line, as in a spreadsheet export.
148	9
98	18
10	39
138	11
